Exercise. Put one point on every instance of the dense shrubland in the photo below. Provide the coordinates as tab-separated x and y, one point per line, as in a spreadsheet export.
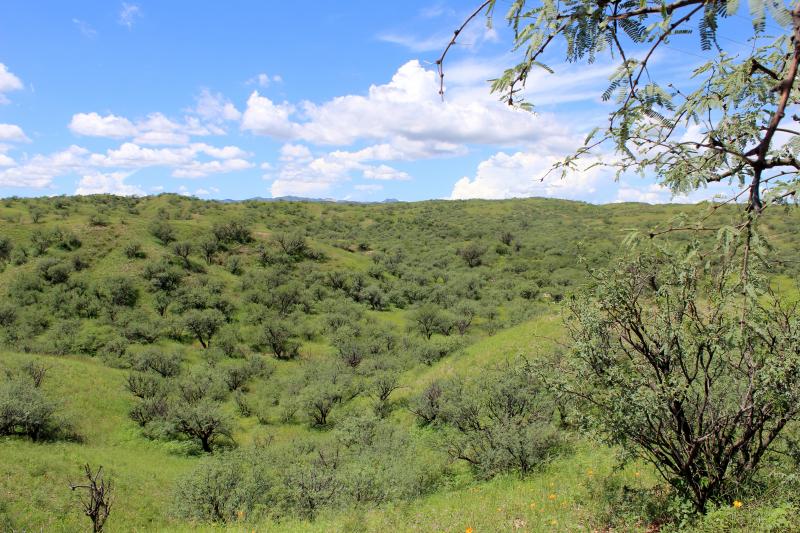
295	356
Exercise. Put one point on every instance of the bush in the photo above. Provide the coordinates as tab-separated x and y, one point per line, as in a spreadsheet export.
502	422
134	250
684	367
162	231
225	485
26	411
166	365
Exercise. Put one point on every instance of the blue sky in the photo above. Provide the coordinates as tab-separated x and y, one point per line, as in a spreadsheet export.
320	99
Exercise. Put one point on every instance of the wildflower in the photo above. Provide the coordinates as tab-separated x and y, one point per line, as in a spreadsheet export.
737	503
240	514
637	473
590	472
554	522
533	505
468	530
551	496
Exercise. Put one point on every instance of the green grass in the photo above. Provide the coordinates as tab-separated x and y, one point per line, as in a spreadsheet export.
34	477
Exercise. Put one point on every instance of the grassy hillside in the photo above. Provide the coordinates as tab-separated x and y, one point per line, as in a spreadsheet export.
289	322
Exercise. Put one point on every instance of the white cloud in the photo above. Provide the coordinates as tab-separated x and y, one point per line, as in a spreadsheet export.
295	152
154	129
128	14
11	133
8	82
524	174
216	108
405	110
197	169
6	161
108	183
264	117
40	170
264	80
94	125
385	173
653	193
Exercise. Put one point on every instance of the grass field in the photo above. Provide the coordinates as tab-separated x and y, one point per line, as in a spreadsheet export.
410	255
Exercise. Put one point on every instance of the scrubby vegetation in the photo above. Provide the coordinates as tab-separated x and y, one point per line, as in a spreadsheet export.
320	366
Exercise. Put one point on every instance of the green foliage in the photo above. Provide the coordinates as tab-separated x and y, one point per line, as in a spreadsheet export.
686	365
25	410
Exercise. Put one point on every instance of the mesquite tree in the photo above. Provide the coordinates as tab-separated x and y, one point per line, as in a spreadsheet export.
725	124
674	363
687	360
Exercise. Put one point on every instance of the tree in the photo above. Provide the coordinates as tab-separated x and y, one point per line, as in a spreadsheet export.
5	248
428	319
464	315
203	324
162	231
472	254
202	420
208	248
182	250
278	335
118	291
97	504
736	101
681	368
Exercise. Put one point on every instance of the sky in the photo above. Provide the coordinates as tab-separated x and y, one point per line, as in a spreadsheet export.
320	99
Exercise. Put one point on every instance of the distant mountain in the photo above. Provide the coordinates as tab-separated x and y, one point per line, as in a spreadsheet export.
304	199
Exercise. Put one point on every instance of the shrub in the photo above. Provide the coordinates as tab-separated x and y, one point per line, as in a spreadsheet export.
26	411
472	254
202	421
685	367
166	365
501	423
233	482
134	250
279	337
162	231
203	324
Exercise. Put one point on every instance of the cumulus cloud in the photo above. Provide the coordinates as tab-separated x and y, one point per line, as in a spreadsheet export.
263	117
111	167
95	125
524	174
301	173
406	109
12	133
40	170
654	193
215	107
154	129
197	169
8	82
108	183
385	173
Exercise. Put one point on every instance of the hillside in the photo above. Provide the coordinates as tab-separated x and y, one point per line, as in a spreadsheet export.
265	365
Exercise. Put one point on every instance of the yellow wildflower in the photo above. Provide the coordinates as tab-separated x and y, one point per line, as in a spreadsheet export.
468	530
637	473
737	503
551	496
